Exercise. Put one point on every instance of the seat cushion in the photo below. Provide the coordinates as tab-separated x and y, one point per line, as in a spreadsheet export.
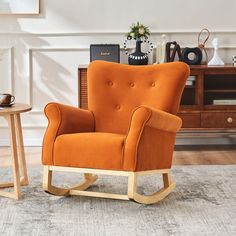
89	150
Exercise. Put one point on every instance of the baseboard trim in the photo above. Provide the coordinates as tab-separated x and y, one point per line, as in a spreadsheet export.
27	142
206	141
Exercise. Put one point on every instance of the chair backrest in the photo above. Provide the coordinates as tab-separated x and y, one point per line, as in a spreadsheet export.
115	90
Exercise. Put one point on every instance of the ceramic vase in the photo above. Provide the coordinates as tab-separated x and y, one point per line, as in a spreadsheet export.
138	57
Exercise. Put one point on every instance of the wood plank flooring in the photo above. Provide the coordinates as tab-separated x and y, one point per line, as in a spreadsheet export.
205	155
183	155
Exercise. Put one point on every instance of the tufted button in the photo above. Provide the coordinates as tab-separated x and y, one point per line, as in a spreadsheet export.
132	84
110	83
153	84
117	107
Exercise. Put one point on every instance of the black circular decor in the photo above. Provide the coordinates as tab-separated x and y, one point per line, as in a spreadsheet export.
196	60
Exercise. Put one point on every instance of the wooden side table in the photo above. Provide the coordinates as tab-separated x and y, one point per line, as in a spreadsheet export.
12	115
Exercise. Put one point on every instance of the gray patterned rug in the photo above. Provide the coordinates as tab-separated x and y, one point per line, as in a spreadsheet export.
203	203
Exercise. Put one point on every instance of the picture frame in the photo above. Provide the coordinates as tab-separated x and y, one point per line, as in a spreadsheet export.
19	7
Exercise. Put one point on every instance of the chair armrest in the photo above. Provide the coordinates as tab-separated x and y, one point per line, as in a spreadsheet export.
164	121
151	132
64	119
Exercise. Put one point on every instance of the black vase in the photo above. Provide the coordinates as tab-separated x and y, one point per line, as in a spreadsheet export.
138	57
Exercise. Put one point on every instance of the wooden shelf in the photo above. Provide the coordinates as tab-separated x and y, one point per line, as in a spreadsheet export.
220	91
190	86
219	107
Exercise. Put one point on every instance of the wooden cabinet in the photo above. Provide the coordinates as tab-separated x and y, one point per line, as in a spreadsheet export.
208	101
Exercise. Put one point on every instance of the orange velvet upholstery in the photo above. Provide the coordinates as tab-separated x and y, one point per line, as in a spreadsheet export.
115	90
130	124
90	150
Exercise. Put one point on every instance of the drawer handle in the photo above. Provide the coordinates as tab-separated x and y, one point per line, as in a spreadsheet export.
230	120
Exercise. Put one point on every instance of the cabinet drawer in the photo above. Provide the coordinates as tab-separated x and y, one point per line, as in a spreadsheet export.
218	120
190	120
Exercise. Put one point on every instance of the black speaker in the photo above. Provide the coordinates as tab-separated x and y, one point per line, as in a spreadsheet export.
105	52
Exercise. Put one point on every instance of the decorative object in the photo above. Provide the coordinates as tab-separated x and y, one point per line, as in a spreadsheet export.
19	7
140	33
234	60
203	37
105	52
202	204
12	115
192	56
121	98
216	60
171	52
161	50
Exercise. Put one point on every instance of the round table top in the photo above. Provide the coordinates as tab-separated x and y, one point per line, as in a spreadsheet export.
14	109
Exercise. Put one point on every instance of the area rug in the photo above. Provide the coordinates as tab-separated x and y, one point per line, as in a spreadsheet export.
203	203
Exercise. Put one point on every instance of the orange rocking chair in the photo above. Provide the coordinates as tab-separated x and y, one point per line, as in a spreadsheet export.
128	130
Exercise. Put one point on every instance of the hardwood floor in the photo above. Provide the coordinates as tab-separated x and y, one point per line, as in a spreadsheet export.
205	155
183	155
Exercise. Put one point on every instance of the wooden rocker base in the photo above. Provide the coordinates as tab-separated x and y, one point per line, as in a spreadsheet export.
49	188
90	178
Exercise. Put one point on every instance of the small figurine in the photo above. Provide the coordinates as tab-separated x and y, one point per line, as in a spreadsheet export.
158	52
161	50
216	60
171	51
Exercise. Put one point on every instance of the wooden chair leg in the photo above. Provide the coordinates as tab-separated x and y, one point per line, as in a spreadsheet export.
166	179
47	184
47	178
48	187
132	185
154	198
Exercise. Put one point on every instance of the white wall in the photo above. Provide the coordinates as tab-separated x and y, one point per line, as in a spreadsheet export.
111	15
39	55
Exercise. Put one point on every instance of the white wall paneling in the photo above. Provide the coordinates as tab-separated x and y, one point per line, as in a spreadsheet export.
7	74
7	70
53	76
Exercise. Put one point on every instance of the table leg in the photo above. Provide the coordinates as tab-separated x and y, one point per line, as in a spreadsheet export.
15	165
24	180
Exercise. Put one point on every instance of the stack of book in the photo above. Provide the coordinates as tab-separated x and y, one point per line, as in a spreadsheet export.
191	80
224	102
